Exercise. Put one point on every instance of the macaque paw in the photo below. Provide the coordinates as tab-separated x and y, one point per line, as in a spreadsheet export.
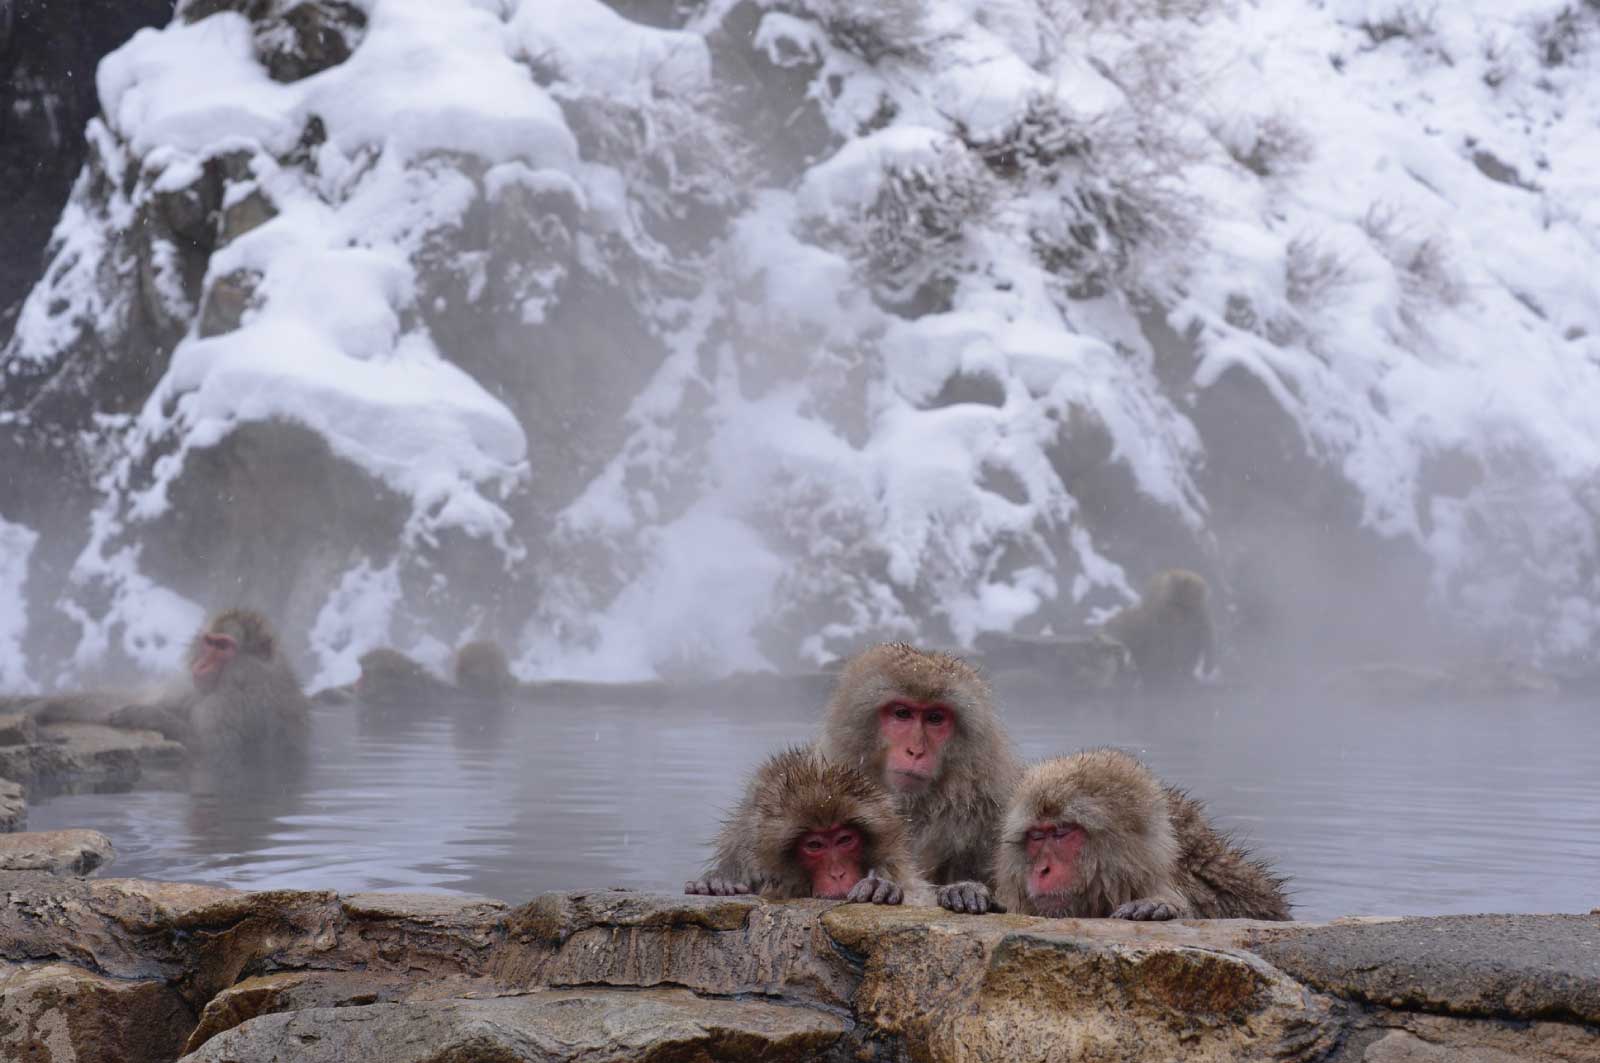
1146	910
971	897
874	890
715	887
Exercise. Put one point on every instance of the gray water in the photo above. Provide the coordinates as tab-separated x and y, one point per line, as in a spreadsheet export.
1419	809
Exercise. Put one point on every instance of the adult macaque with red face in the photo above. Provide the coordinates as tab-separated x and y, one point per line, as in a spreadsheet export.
240	697
807	828
1095	835
923	724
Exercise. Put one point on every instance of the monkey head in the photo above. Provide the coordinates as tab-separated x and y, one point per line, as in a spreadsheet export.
482	670
1085	834
222	639
822	827
389	676
908	717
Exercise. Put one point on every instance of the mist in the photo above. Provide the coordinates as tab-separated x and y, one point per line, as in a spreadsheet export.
682	342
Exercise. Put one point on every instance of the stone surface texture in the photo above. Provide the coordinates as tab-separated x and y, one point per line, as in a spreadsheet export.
57	852
220	975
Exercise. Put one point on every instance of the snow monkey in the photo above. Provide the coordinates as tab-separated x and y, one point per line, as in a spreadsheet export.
391	679
244	700
1095	835
809	828
924	726
482	671
1169	631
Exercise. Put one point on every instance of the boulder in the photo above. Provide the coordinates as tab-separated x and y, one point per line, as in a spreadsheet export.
1519	967
71	755
595	1026
13	806
64	1014
57	852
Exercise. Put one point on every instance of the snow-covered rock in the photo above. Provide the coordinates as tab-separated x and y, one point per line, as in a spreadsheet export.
732	342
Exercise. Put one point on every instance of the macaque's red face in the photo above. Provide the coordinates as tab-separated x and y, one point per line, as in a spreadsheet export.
832	857
216	651
1053	855
913	734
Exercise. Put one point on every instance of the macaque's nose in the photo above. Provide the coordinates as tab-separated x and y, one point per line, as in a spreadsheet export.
1047	876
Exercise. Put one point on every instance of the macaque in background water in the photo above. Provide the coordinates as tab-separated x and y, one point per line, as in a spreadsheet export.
483	672
1169	632
1095	835
923	726
391	679
808	828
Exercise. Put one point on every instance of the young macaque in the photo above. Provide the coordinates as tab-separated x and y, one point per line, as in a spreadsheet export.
923	726
808	828
1095	835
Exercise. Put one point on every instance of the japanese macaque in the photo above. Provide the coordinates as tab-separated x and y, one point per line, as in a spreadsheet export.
244	700
391	679
1169	632
923	725
1095	835
808	828
483	672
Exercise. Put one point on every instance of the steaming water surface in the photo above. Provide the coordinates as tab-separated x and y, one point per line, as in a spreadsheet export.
1409	809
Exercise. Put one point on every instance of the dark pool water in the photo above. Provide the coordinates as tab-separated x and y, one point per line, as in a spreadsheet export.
1417	809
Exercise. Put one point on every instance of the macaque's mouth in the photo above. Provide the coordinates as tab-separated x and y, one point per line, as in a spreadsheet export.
1052	905
908	780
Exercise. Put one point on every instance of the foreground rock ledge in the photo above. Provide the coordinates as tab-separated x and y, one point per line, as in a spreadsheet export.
98	970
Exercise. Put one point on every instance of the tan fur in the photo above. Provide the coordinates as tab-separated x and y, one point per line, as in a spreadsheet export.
482	670
794	792
1169	632
1145	841
954	821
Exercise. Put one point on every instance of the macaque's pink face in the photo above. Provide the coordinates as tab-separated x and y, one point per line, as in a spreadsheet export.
914	735
832	858
1053	856
216	651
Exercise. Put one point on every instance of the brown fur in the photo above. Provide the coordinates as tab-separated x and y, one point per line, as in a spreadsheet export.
1169	632
794	792
1146	842
482	670
255	708
257	705
955	820
390	678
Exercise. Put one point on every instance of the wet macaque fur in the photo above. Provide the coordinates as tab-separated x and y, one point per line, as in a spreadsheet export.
923	725
483	671
391	679
1169	632
1096	834
808	828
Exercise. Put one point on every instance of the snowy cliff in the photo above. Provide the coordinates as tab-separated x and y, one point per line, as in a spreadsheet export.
720	335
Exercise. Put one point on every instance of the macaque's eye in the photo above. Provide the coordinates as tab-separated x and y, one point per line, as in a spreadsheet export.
1061	830
219	642
1035	835
902	713
846	841
933	718
814	845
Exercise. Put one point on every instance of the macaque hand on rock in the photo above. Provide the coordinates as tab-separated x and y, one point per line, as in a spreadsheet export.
973	898
716	887
875	890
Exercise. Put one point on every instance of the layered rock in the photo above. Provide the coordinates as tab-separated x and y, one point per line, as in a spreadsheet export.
239	977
